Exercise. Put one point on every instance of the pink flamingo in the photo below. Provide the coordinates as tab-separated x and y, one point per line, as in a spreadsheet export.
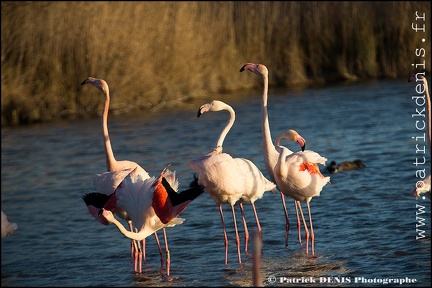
7	227
293	136
152	204
114	165
298	176
423	186
271	154
228	179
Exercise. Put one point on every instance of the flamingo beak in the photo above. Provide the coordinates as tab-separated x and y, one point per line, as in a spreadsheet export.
302	142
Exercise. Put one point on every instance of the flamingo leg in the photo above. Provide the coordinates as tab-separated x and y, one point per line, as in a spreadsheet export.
138	255
305	225
160	251
258	234
286	219
256	219
225	235
298	223
144	250
168	257
245	227
312	235
132	259
237	235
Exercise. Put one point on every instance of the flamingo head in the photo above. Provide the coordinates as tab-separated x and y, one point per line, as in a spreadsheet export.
293	136
214	106
258	69
108	215
100	84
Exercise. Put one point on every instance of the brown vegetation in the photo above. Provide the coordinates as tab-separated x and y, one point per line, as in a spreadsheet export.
154	52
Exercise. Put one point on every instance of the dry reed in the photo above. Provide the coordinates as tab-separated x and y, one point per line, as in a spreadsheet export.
152	53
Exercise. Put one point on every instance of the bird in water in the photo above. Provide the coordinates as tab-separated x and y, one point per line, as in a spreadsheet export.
345	166
7	228
151	203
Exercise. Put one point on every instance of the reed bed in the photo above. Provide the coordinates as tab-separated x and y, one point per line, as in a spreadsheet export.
156	53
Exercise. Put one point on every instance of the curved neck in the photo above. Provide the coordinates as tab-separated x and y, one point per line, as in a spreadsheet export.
227	127
110	160
283	169
132	235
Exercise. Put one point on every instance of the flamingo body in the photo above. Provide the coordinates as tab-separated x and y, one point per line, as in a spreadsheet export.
7	227
147	201
298	174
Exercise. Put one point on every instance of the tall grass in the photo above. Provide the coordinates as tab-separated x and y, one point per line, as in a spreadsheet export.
152	53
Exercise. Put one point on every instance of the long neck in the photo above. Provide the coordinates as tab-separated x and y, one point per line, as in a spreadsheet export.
132	235
268	145
110	160
227	127
428	110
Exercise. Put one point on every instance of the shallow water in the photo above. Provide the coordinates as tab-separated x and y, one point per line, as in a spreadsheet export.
364	222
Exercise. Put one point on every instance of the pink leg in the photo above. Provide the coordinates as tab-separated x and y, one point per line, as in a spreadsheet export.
168	257
138	255
245	227
132	243
311	229
237	235
144	250
298	222
257	221
286	219
140	258
305	226
225	235
160	251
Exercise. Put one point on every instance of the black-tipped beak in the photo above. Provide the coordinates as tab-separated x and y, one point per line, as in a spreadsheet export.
242	69
303	147
100	212
84	82
199	113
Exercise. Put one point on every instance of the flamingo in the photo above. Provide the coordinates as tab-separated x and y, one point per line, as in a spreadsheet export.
293	136
7	228
114	165
107	183
298	176
271	154
228	179
151	203
424	186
